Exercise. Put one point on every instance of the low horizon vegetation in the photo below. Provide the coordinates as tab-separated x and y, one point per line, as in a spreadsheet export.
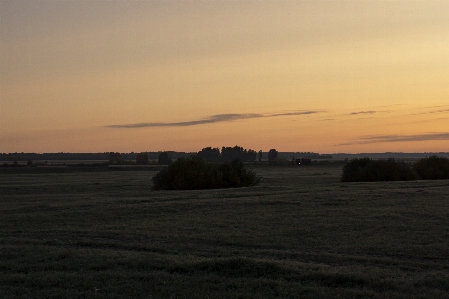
369	170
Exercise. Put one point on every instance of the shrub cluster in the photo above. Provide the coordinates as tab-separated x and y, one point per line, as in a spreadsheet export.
432	168
195	173
367	170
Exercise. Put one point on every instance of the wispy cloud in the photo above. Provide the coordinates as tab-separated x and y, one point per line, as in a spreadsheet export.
218	118
363	112
440	110
400	138
369	112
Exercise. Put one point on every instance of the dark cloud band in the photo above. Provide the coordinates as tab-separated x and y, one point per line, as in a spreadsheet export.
218	118
363	112
401	138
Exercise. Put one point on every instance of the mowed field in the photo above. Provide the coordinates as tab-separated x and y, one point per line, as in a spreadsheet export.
300	234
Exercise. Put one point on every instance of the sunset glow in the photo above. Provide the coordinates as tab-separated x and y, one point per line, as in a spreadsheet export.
321	76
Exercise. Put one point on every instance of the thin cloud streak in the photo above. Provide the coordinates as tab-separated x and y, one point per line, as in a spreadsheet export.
433	112
400	138
363	112
369	112
218	118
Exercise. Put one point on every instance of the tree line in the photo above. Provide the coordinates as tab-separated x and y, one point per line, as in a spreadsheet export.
208	154
226	154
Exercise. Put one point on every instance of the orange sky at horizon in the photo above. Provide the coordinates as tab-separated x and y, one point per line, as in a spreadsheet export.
319	76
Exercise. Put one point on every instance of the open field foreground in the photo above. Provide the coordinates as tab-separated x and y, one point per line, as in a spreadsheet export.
300	234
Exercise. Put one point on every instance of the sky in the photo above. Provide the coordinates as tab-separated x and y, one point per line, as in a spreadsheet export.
301	76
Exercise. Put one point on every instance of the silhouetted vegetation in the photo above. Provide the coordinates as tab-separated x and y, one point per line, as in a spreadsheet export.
432	168
195	173
237	152
210	154
368	170
272	155
214	155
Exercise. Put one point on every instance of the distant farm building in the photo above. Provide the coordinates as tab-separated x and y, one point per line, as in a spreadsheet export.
302	161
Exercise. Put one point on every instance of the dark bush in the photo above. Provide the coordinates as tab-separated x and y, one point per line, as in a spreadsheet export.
194	173
368	170
432	168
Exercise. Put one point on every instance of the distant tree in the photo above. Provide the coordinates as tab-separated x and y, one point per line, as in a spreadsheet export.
272	155
237	152
142	159
164	158
210	154
260	156
251	155
231	153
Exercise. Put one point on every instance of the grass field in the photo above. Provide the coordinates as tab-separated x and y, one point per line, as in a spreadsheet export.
300	234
